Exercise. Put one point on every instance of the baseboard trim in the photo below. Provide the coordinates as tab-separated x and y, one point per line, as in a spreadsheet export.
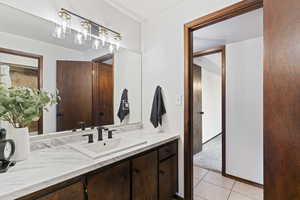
176	196
211	138
245	181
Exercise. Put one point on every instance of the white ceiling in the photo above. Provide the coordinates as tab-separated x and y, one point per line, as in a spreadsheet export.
243	27
141	10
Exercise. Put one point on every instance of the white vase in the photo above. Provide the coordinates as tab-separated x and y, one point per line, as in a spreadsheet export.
21	138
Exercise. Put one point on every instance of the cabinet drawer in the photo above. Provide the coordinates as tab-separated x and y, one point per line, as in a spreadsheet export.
167	151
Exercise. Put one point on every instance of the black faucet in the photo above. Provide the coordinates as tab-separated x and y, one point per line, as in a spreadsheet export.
82	125
110	132
100	133
91	137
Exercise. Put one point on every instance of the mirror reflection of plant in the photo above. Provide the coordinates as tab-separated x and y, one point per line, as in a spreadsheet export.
22	106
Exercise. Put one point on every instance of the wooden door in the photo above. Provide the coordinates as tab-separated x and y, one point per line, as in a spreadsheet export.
144	177
197	109
74	82
168	179
103	94
72	192
281	99
111	184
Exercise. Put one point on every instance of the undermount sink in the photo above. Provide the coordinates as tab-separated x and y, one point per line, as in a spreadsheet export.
106	147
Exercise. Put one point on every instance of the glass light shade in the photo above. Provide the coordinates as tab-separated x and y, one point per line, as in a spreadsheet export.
58	32
117	39
86	29
111	48
78	38
65	21
117	46
96	44
103	35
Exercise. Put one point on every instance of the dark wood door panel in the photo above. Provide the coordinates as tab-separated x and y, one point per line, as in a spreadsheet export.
72	192
111	184
144	177
103	94
197	109
168	178
74	82
281	99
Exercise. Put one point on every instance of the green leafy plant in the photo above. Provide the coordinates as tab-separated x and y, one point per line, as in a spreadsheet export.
22	106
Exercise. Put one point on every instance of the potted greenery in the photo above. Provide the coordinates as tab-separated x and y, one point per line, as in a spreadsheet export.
20	107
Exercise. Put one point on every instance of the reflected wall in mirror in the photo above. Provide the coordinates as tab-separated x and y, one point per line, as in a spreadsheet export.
90	81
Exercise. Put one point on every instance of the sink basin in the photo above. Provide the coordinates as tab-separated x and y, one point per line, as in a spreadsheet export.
106	147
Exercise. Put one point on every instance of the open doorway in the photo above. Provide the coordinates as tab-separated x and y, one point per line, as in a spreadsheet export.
208	108
239	30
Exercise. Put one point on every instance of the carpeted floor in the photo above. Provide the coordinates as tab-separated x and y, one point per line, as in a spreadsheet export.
211	155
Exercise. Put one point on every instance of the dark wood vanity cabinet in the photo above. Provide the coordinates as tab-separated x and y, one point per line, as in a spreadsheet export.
71	192
168	178
151	175
111	184
145	177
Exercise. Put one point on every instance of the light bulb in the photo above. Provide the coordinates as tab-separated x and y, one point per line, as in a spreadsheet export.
111	48
79	38
117	46
96	44
65	22
103	39
58	33
86	29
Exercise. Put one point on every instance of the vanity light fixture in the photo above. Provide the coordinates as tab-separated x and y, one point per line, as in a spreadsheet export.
65	21
89	32
86	29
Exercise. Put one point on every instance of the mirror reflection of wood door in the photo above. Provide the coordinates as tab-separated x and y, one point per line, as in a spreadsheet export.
86	91
103	94
75	84
197	109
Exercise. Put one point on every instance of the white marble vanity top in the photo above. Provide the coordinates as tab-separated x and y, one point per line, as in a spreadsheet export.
53	164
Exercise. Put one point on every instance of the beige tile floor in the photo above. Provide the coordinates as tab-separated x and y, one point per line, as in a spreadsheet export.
209	185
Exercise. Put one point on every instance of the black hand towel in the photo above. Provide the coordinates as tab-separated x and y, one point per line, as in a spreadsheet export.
124	105
158	108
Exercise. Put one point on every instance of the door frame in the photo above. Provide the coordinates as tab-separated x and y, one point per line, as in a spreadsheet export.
40	74
234	10
222	50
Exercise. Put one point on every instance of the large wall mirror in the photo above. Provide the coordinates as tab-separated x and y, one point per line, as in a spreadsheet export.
92	83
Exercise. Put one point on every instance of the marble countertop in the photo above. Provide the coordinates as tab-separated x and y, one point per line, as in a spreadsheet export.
51	163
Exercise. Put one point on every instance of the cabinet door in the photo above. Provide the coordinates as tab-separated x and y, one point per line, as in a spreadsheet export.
168	178
111	184
72	192
145	177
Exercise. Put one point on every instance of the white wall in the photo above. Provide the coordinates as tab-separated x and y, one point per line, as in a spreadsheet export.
211	94
50	54
97	10
127	74
163	61
244	109
18	60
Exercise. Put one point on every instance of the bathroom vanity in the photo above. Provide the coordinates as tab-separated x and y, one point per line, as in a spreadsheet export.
146	175
148	171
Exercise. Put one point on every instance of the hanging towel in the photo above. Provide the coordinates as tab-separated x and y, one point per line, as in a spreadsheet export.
158	108
124	105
